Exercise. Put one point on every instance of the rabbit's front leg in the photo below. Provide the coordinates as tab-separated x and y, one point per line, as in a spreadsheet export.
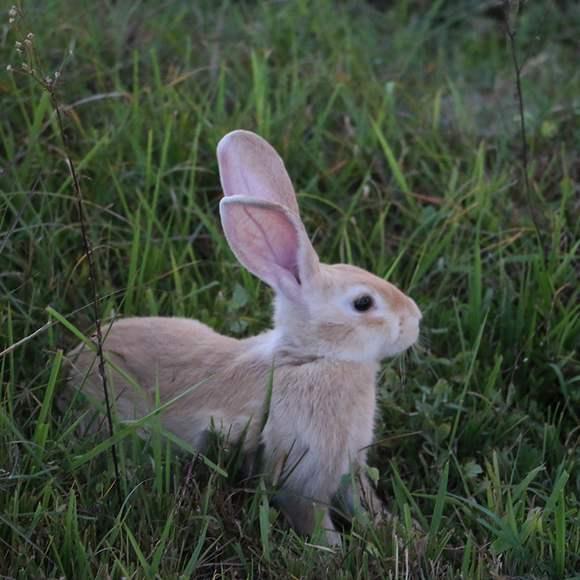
306	485
303	513
357	492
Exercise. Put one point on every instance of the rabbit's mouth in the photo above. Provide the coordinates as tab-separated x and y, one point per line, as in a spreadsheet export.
407	336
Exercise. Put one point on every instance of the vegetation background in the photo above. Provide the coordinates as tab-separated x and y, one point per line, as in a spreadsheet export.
399	124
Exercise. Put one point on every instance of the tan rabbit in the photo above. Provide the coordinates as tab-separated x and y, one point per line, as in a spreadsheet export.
332	326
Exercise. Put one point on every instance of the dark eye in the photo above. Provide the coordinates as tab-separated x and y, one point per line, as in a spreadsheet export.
363	303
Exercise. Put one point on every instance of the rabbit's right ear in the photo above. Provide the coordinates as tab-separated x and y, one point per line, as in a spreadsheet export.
250	166
270	241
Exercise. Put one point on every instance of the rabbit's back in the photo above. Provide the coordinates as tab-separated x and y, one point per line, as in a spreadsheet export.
159	352
154	360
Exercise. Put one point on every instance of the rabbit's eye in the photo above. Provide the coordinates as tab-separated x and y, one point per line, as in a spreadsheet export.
363	303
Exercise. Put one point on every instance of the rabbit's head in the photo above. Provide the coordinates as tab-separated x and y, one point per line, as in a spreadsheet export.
336	311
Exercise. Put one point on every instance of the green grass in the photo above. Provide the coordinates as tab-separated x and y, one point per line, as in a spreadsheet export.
400	130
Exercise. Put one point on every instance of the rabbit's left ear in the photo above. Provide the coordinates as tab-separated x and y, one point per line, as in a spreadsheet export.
270	242
250	167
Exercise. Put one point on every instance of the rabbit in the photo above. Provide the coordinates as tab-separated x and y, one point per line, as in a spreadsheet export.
332	325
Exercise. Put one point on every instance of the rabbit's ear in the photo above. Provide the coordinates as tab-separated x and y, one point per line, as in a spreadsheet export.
250	166
270	242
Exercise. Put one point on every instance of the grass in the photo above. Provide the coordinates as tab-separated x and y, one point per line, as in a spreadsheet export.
399	127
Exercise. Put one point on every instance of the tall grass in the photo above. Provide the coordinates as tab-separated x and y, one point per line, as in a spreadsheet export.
399	127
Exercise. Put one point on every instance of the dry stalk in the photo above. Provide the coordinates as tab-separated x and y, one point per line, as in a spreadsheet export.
513	7
31	66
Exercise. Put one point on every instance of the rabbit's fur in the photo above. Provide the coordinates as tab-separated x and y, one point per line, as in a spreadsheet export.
322	353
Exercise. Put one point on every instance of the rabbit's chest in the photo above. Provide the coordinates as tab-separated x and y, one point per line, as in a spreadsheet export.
330	411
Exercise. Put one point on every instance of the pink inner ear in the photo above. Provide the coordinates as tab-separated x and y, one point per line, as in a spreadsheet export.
274	242
268	240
